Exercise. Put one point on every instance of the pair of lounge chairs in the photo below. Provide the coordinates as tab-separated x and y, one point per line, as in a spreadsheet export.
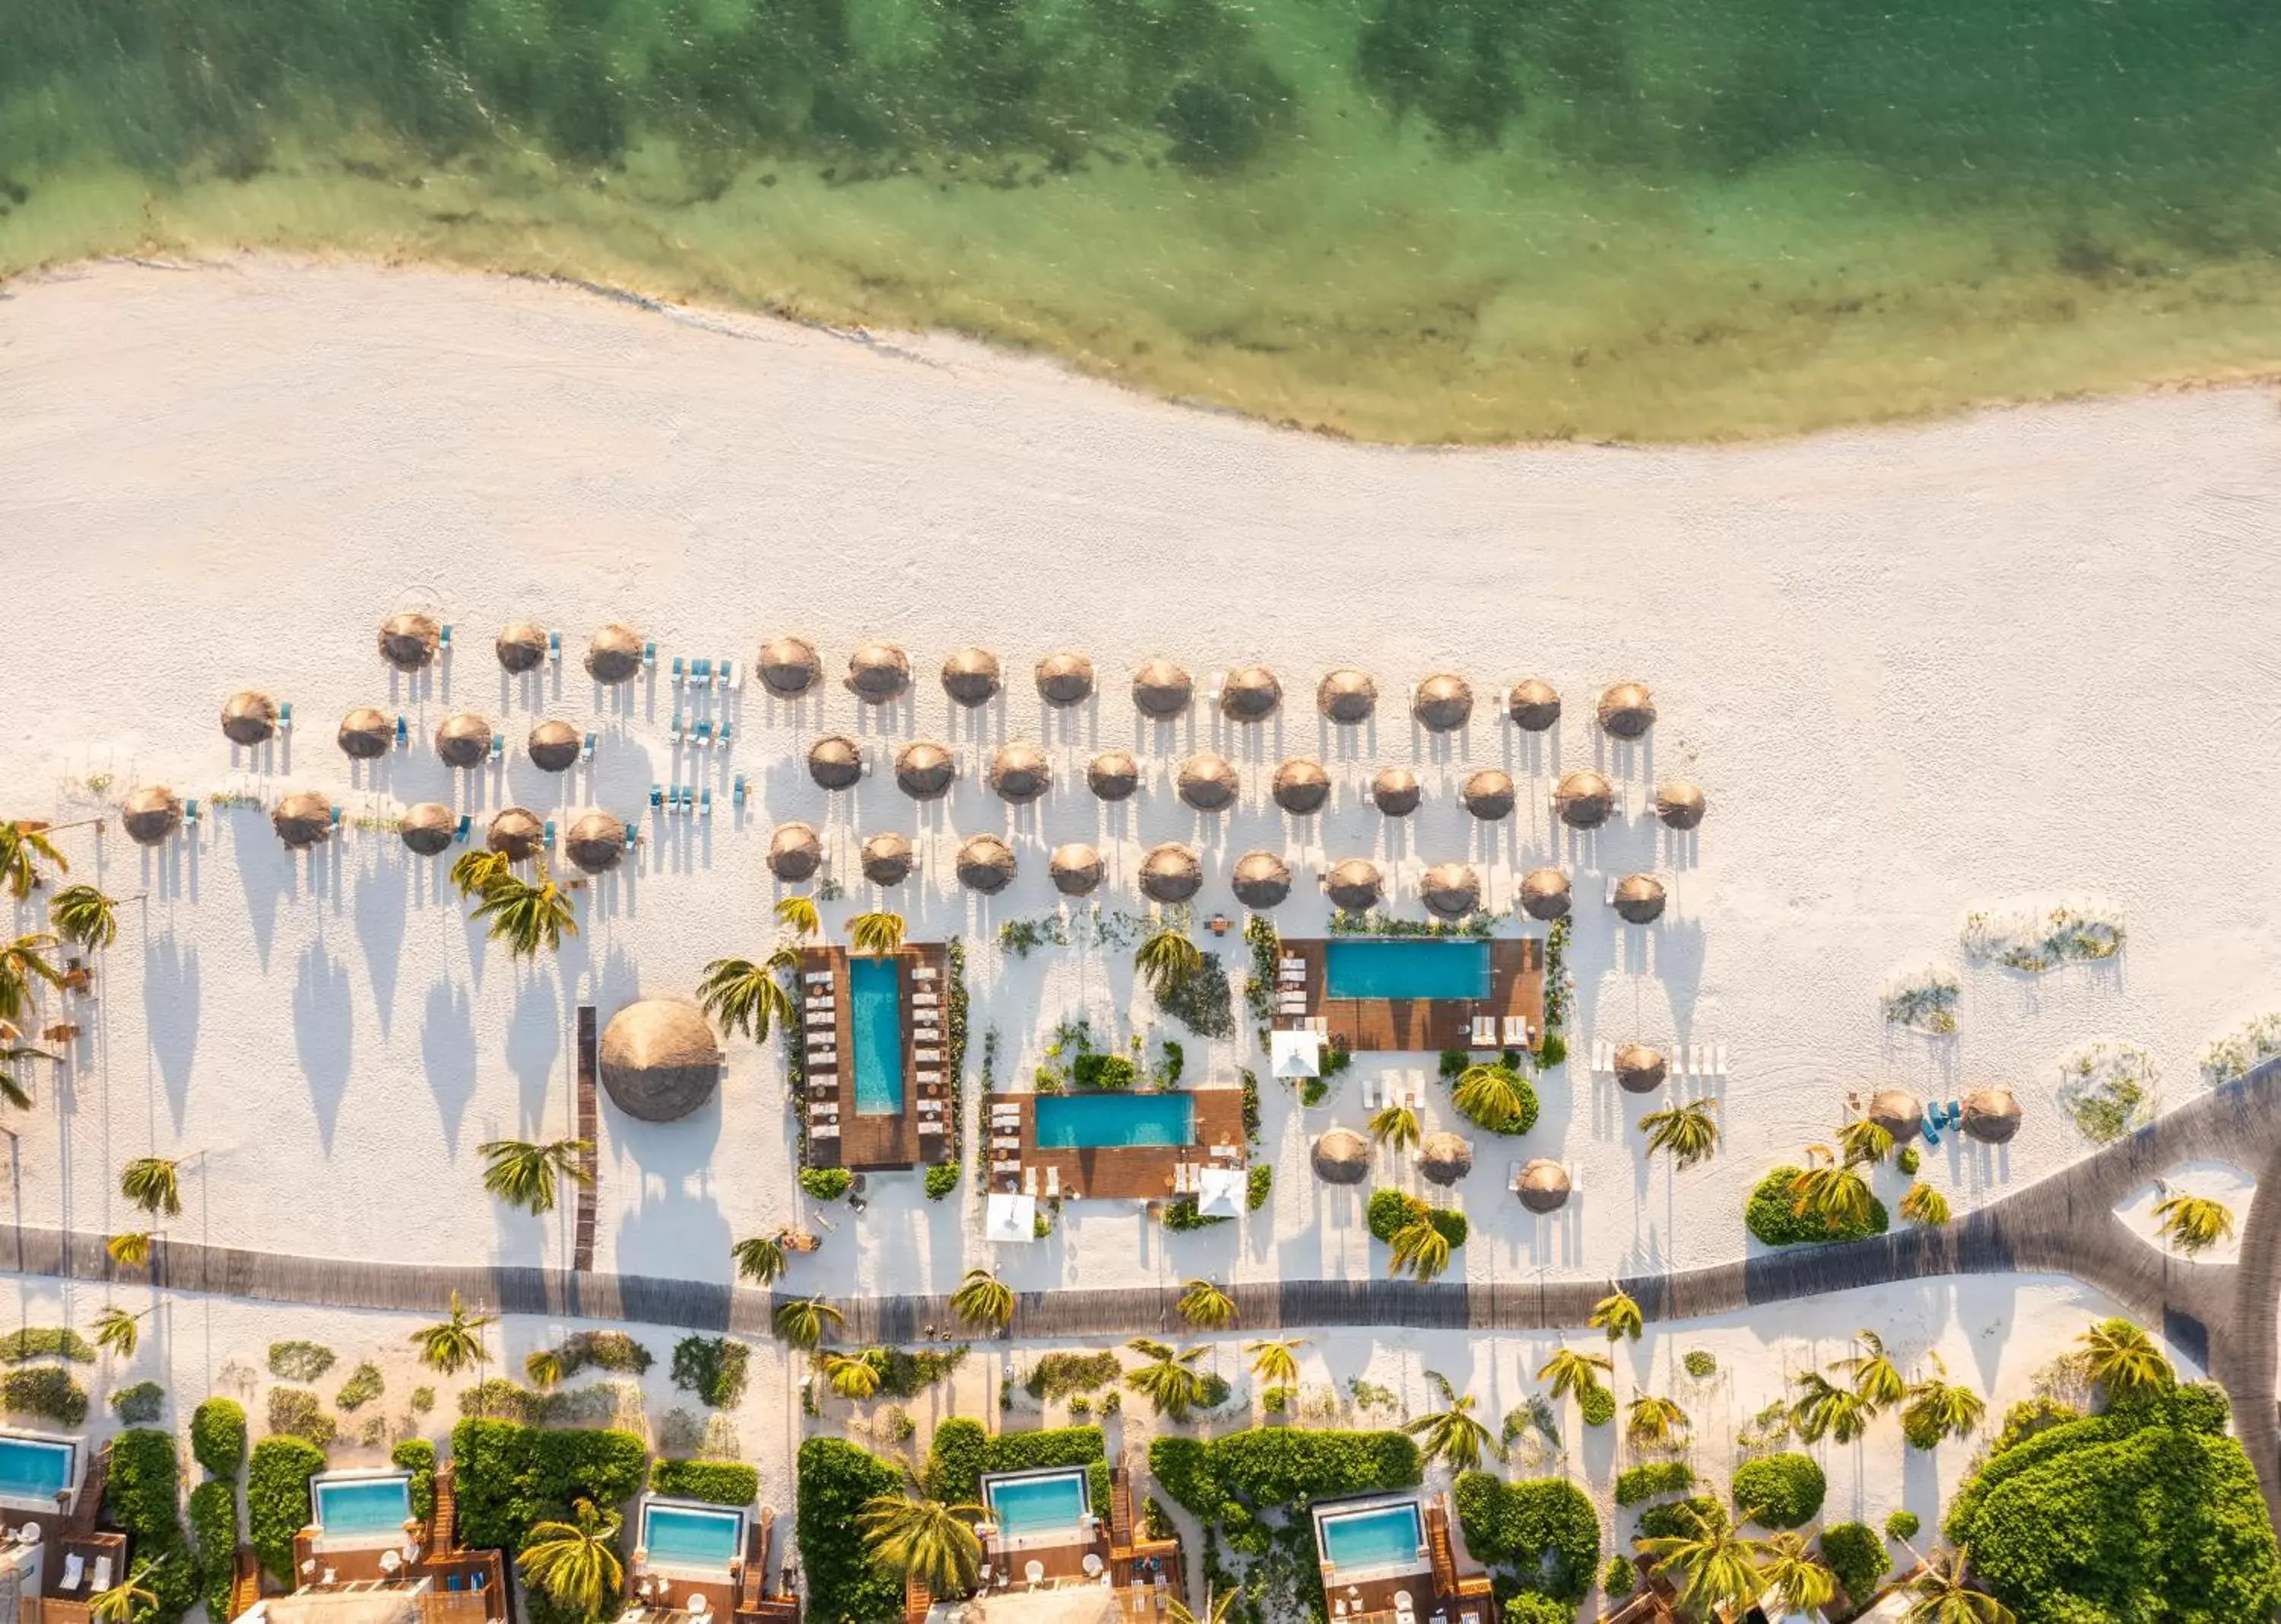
74	1566
1937	1116
705	673
699	733
681	799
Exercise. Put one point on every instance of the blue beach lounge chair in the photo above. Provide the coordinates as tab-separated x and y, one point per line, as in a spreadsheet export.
649	656
403	734
701	671
444	638
737	791
587	752
677	672
720	738
550	834
498	747
705	801
285	717
460	833
554	648
656	796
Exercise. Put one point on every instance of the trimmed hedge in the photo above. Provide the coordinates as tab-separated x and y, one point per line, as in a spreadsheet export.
1390	1210
45	1390
143	1498
417	1456
1780	1492
140	1404
1268	1468
717	1483
1597	1406
963	1451
31	1343
1857	1555
218	1436
213	1527
1772	1216
507	1476
1058	1375
277	1498
1542	1534
1656	1477
844	1586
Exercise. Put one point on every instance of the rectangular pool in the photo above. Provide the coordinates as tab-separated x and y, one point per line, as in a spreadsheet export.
1101	1121
1027	1504
35	1471
1403	967
1376	1536
690	1538
361	1507
875	991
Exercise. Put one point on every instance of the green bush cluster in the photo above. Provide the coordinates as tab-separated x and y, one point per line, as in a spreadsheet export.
1110	1071
611	1351
941	1179
1858	1556
214	1531
140	1404
963	1452
1234	1481
300	1361
20	1347
904	1372
1181	1215
1902	1525
1453	1064
826	1183
1533	1607
1056	1375
1619	1577
1909	1160
1258	1186
1780	1492
363	1386
1597	1406
277	1498
2024	1419
1389	1212
218	1435
507	1476
299	1413
1700	1363
1677	1519
713	1368
45	1391
844	1585
717	1483
1655	1477
1524	1093
1541	1535
1773	1216
417	1456
143	1497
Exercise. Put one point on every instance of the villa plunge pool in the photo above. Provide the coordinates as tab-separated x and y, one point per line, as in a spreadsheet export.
1384	1539
1115	1121
692	1539
1046	1507
874	993
358	1510
1405	967
35	1471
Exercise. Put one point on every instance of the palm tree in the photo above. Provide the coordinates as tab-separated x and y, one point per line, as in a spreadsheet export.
474	871
1454	1433
1205	1306
1832	1190
1941	1593
572	1564
1940	1406
128	1600
878	933
761	1258
1395	1124
2193	1224
543	1369
804	1322
1618	1314
1418	1246
131	1249
526	915
1921	1203
84	917
453	1344
2123	1359
1689	1132
154	1184
1216	1608
1806	1585
117	1332
1276	1363
747	997
1714	1565
983	1299
1827	1411
1167	958
1571	1371
1874	1376
1651	1422
21	851
797	915
924	1540
1169	1381
1490	1095
11	1088
1864	1139
524	1175
851	1375
23	962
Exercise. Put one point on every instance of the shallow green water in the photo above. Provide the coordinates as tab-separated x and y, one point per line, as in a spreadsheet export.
1414	219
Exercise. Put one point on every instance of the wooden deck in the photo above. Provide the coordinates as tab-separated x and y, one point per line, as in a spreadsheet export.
1135	1172
1419	1025
1146	1575
882	1141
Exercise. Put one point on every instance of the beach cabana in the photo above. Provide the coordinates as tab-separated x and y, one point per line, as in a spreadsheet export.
1346	696
795	852
970	676
1301	786
428	828
614	655
596	843
1340	1156
1076	870
835	762
1991	1115
1354	884
986	863
1534	704
1010	1219
1443	703
1444	1158
151	814
1220	1192
788	667
1295	1054
1545	893
1113	775
1639	1068
886	859
249	718
515	834
1162	690
1064	678
1584	798
1488	794
1261	880
924	770
1897	1112
878	673
1639	898
1451	890
1542	1186
408	641
366	734
1208	781
1020	772
464	741
1627	710
1396	791
303	819
1171	873
521	646
1680	806
553	747
1250	694
659	1060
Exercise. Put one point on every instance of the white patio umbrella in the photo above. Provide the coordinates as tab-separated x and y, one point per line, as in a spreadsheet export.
1295	1054
1010	1218
1220	1192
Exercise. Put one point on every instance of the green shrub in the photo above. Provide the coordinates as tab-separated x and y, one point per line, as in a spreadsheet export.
1110	1071
299	1361
1258	1186
143	1497
1653	1478
1619	1577
213	1530
20	1347
1525	1093
45	1391
363	1386
1780	1492
1202	1001
140	1404
1182	1468
844	1585
1675	1519
1771	1215
1531	1607
1543	1534
611	1351
1181	1215
826	1183
218	1436
905	1373
1390	1210
1908	1160
1056	1375
1551	1051
941	1179
1857	1555
2024	1421
1454	1061
277	1498
507	1476
1597	1406
963	1452
417	1456
1901	1525
717	1483
1700	1363
713	1368
423	1400
299	1413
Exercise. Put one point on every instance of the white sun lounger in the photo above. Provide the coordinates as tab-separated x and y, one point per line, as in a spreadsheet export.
102	1580
922	1000
930	1077
926	1017
1721	1064
1029	1182
821	1001
1516	1029
74	1565
926	1054
817	978
825	1130
922	973
1485	1031
823	1057
1006	1143
822	1019
1053	1183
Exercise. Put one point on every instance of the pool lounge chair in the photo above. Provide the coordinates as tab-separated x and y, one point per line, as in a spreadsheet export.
498	747
74	1566
1931	1130
586	750
1053	1183
705	801
1029	1182
465	826
927	1078
1005	1141
737	791
677	675
1516	1029
554	648
649	656
1485	1031
701	734
721	737
922	973
826	1130
403	734
828	1056
925	1001
101	1582
816	977
926	1054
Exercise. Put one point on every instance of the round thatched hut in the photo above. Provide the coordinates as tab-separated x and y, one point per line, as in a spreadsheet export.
986	863
1020	772
428	828
1396	792
1543	1186
1301	786
1545	894
1064	678
1341	1156
408	641
1627	711
554	746
1171	873
924	770
1443	703
1451	890
1680	806
835	762
1639	898
366	734
249	718
615	654
1162	690
1354	885
1261	880
886	859
151	814
1208	782
1077	869
1991	1115
596	843
464	741
521	646
878	673
1347	697
1534	704
970	676
516	834
1488	794
1444	1157
1639	1068
1250	694
788	667
303	819
1584	798
659	1060
795	852
1113	775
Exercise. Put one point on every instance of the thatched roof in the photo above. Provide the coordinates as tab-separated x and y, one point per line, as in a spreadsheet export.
788	667
521	645
1355	884
1064	678
1261	880
1897	1112
1534	704
247	717
1627	711
1250	694
1443	703
659	1060
1639	898
1991	1115
1020	772
408	641
596	843
1113	775
303	819
464	741
1162	689
878	672
1545	893
886	859
554	746
795	852
516	834
1488	794
1346	696
1342	1156
615	654
835	762
151	814
1396	792
1543	1186
1171	873
1077	869
1301	785
1681	806
1584	798
925	771
986	863
1208	781
1451	890
1444	1157
1639	1068
970	676
428	827
366	734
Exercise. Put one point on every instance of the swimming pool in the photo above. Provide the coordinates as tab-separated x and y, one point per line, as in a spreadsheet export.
1033	1502
362	1506
1373	1537
1098	1121
1406	968
35	1471
690	1537
876	994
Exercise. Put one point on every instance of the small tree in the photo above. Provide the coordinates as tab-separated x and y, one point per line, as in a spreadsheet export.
1618	1315
1395	1124
1874	1374
572	1563
1824	1410
128	1602
924	1540
1920	1203
453	1344
1276	1363
804	1322
762	1259
23	848
2123	1359
23	962
1453	1433
119	1331
748	997
1167	958
1689	1132
154	1184
1420	1247
1490	1095
84	917
1865	1140
1805	1585
1570	1370
1832	1191
527	915
2193	1224
1169	1381
1938	1408
1651	1422
1716	1567
1942	1593
983	1299
525	1175
852	1376
877	932
797	915
1204	1305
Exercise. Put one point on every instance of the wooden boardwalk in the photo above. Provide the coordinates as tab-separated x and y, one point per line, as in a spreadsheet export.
2225	1315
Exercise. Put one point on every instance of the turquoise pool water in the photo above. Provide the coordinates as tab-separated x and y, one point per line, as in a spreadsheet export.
1406	968
1044	1504
1101	1121
1383	1536
690	1537
876	995
353	1507
34	1469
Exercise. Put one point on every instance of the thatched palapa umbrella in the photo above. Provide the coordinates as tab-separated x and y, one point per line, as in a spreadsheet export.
1347	697
835	762
1354	885
1444	1157
151	814
1627	710
878	673
464	741
1077	869
1584	798
1991	1115
1897	1112
1488	794
1020	772
1639	1068
1341	1156
522	646
1396	791
1534	704
986	863
1208	782
1171	873
1545	893
1301	786
408	641
886	859
1543	1186
615	654
1639	898
249	718
795	852
596	843
1064	678
1162	689
1261	880
1113	775
303	819
553	747
970	676
516	834
659	1060
1681	806
1443	703
925	771
365	734
428	828
1250	695
788	667
1451	890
